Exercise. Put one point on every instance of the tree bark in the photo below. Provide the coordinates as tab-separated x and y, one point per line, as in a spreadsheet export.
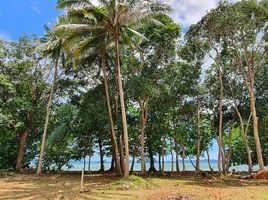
183	157
39	168
101	155
198	141
22	140
221	156
172	158
159	162
122	103
134	154
122	162
229	150
113	136
209	165
143	118
177	155
151	156
255	123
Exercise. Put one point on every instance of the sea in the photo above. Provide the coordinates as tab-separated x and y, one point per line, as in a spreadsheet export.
95	166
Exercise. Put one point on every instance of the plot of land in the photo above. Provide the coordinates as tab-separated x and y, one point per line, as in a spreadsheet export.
98	187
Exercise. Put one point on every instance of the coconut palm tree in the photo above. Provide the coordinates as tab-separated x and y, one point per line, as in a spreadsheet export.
114	18
52	47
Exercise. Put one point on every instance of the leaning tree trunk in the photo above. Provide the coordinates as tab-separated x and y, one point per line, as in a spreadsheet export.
22	140
113	136
122	103
255	123
39	168
209	165
177	155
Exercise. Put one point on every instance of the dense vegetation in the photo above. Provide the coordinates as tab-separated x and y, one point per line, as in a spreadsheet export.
120	79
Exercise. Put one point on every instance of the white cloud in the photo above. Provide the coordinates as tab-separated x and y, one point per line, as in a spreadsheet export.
36	9
5	35
187	12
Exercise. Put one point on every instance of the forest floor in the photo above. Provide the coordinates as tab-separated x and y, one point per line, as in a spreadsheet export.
152	187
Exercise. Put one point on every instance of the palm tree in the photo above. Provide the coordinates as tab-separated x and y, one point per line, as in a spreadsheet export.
52	47
114	18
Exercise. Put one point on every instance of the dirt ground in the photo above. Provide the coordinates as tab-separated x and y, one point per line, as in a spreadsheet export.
99	187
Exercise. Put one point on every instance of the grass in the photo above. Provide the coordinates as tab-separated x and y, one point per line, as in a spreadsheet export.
100	187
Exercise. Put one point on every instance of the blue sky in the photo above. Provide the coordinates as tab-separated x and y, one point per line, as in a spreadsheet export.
29	16
25	16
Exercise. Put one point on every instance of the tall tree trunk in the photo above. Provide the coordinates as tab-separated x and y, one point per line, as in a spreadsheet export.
183	157
177	155
209	165
122	103
198	141
113	136
221	156
143	118
122	162
243	131
172	158
39	168
229	150
255	123
101	155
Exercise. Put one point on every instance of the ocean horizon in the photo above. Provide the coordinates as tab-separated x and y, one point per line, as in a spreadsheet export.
95	166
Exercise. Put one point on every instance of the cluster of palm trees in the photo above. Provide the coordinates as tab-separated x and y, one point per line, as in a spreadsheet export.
86	33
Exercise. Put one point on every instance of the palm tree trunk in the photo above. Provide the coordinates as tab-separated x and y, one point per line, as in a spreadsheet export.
113	136
255	123
177	155
39	168
122	103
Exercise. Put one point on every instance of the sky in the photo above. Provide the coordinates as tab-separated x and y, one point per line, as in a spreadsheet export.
18	17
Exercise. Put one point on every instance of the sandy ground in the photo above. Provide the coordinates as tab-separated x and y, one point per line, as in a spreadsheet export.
99	187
